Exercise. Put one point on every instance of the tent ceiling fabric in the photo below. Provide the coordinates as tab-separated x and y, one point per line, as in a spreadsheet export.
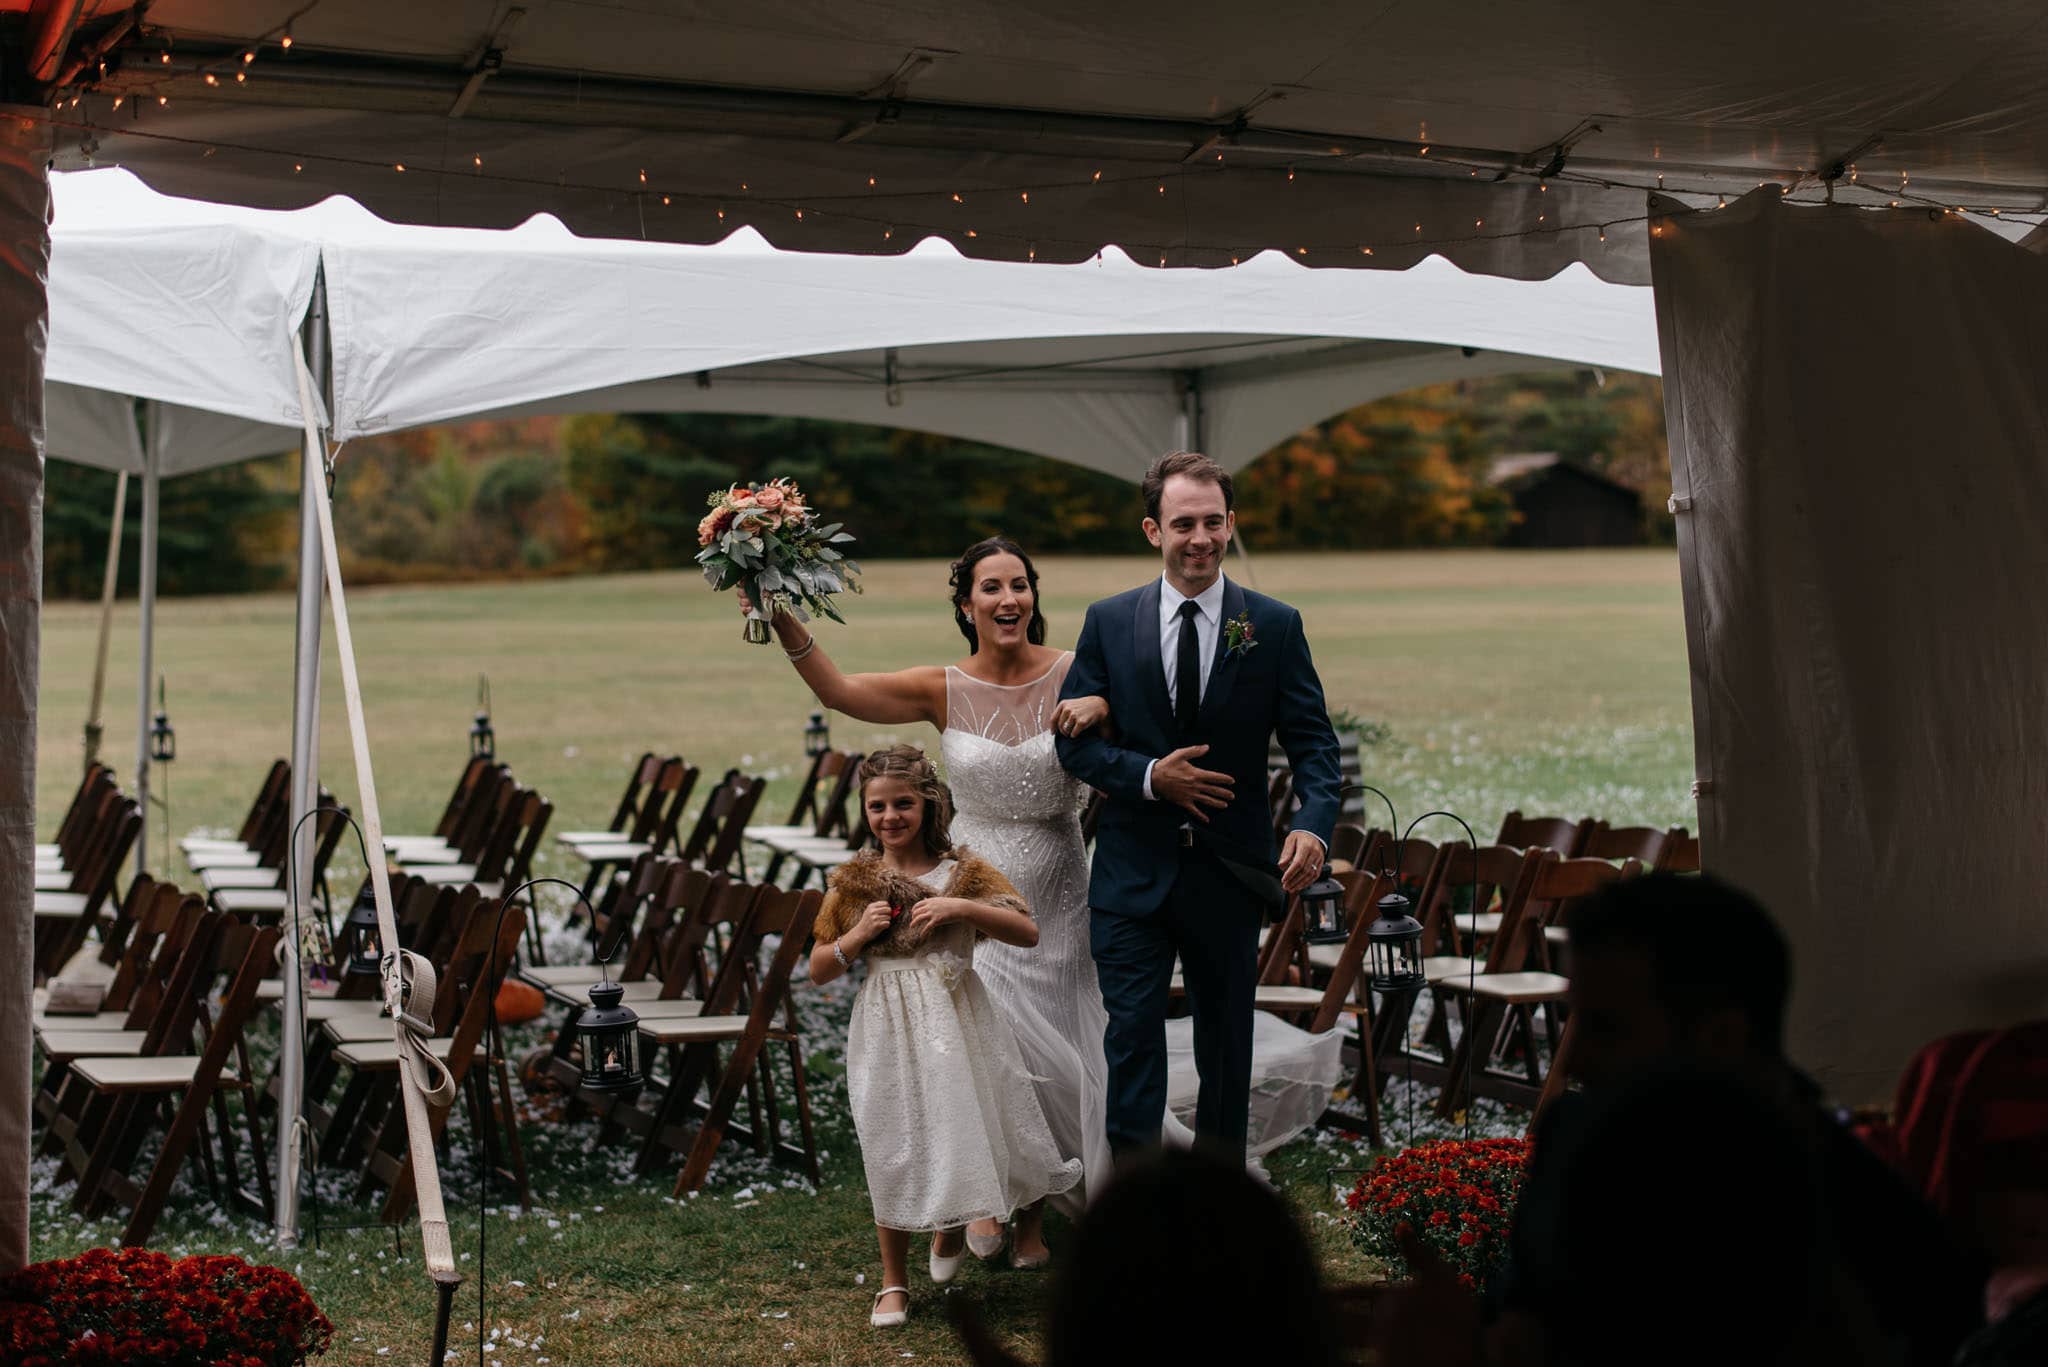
1218	130
1084	362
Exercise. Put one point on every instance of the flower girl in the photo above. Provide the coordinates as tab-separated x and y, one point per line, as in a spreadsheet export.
950	1127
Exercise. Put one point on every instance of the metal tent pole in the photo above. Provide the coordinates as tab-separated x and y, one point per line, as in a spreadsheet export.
147	603
291	1063
99	667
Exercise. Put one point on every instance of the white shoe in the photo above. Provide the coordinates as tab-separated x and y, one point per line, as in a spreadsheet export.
944	1268
987	1248
890	1319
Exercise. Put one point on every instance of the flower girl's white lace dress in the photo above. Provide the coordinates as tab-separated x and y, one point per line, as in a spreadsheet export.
950	1130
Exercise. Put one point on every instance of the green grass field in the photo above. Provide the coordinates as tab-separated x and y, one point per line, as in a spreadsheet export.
1552	682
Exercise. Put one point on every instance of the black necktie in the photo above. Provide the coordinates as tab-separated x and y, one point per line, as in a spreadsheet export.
1187	678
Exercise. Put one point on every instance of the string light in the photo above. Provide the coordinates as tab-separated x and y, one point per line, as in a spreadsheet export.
212	79
1366	251
164	57
478	159
1418	227
1541	217
1424	152
643	175
1543	188
248	57
285	41
871	182
297	167
1290	177
664	201
972	233
1603	232
398	166
162	101
241	78
1025	195
887	233
1723	202
117	101
1096	176
1478	222
957	199
1162	189
800	218
1032	253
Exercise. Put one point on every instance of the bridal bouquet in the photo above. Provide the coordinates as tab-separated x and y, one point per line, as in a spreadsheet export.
765	539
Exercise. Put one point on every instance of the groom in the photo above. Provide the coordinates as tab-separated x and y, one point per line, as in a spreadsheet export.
1199	674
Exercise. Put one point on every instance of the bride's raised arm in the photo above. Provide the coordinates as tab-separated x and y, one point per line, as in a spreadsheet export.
905	695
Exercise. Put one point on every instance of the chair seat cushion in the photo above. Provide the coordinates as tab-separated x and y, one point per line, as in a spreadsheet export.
585	837
252	901
1445	968
197	844
443	875
1280	997
158	1074
63	905
561	975
1484	924
768	835
42	850
213	880
70	1044
1522	987
612	851
355	1027
693	1029
97	1023
53	880
382	1053
201	860
321	1009
675	1008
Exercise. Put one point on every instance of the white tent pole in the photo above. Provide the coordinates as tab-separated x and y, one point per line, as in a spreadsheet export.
147	604
1190	424
99	667
291	1058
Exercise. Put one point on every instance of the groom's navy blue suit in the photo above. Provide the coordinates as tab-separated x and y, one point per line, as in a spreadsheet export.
1165	884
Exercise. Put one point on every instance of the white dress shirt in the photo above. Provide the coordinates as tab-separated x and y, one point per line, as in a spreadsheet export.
1208	629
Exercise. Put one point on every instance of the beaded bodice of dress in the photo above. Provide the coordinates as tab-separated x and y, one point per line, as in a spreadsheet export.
998	747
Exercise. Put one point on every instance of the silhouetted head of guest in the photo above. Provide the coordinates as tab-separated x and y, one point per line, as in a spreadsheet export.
1690	1226
1187	1256
1675	966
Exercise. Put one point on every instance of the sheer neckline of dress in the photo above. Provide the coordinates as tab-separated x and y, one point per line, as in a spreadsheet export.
1028	683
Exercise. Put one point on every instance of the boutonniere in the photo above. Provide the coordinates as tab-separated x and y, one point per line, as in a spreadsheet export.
1237	635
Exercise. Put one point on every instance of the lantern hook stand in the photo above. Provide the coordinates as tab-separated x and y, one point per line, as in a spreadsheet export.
301	1133
483	1166
1472	960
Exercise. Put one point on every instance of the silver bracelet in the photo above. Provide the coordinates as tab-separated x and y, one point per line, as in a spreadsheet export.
802	652
840	955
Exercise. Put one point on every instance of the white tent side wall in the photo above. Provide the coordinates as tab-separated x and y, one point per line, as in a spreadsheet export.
1858	407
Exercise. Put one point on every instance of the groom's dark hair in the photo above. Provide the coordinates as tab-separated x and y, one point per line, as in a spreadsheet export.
1194	465
963	589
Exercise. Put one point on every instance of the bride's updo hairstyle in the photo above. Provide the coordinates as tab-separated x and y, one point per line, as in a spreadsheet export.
963	589
908	763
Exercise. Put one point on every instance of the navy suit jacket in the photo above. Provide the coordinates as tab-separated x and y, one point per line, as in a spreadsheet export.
1253	695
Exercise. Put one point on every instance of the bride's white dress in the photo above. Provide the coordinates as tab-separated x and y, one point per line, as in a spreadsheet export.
1017	808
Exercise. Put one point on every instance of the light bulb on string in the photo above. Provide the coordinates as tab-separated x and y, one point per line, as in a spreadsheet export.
957	199
871	182
164	57
972	233
1162	189
1367	251
248	57
1290	177
643	175
212	79
664	201
799	215
297	167
241	78
398	166
1478	222
117	101
1096	177
1723	204
1024	195
1603	232
162	101
286	40
1031	253
1424	152
478	159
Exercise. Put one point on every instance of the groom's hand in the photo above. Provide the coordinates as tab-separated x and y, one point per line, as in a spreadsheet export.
1301	859
1198	792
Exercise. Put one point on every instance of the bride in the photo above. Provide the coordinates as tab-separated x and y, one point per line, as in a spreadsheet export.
996	711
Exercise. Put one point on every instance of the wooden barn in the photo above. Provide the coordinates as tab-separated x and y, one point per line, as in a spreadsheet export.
1559	504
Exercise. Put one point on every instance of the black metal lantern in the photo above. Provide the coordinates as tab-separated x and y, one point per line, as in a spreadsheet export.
483	742
1394	942
365	953
1322	911
163	741
817	736
610	1035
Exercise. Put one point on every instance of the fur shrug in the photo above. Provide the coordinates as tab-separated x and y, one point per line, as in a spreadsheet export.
865	878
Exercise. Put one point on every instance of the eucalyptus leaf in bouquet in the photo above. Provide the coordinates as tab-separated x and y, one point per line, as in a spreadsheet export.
765	539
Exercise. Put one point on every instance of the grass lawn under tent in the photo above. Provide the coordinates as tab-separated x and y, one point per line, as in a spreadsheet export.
1549	681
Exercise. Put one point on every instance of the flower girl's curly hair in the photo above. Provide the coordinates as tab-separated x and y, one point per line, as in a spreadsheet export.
908	763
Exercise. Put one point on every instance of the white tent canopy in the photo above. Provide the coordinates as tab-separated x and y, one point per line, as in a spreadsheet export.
1091	363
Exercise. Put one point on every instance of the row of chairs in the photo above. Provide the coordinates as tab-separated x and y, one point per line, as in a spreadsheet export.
1495	966
75	874
158	1055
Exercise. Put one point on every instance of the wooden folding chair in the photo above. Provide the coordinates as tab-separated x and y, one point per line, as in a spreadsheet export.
231	890
467	821
653	831
1557	833
1503	1001
477	970
638	782
507	856
272	795
720	831
842	830
819	823
84	800
88	807
1682	854
63	920
692	1044
198	1081
1347	845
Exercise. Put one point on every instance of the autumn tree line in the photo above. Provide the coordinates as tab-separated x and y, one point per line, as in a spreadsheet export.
610	492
